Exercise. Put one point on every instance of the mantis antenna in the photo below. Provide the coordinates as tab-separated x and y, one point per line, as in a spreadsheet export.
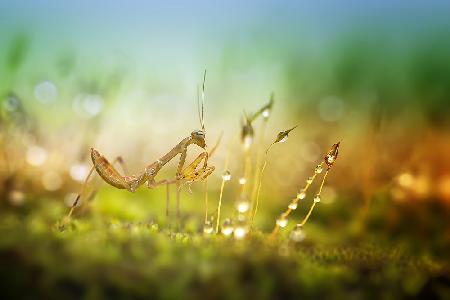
201	107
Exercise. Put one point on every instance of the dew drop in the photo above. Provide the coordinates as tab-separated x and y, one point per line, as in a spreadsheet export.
297	234
318	169
293	205
226	176
208	228
243	206
227	227
282	221
301	195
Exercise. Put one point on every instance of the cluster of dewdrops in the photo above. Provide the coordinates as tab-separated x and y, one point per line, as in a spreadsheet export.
239	228
297	233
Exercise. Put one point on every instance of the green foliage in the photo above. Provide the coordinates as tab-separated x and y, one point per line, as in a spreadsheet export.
17	52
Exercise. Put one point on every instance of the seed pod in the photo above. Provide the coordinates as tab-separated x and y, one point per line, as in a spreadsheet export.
247	133
283	135
332	155
264	111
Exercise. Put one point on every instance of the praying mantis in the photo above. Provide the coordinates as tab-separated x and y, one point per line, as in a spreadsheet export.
188	175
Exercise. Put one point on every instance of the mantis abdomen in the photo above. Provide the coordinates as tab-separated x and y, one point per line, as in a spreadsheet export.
110	175
107	171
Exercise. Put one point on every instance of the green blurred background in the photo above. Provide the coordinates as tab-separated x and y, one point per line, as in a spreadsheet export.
122	77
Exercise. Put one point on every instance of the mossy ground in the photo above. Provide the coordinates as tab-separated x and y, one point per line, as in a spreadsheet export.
108	258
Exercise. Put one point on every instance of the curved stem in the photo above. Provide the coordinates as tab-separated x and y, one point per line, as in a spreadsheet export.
257	195
296	200
247	172
259	186
221	192
206	200
75	203
309	214
323	181
314	203
220	205
167	199
259	157
178	201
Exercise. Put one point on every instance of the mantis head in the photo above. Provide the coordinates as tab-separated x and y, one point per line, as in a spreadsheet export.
198	136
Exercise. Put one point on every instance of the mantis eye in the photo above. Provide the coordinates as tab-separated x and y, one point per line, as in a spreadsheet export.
199	134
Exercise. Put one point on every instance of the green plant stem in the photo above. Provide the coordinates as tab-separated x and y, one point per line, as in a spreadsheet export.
258	193
309	214
296	200
247	171
259	157
206	200
314	203
221	192
167	199
220	205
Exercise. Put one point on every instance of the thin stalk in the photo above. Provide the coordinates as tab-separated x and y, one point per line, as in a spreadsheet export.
178	209
178	201
259	186
314	203
167	199
329	160
259	157
323	181
219	206
309	214
75	203
206	200
296	200
247	171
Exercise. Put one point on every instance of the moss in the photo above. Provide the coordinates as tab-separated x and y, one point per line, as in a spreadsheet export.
120	259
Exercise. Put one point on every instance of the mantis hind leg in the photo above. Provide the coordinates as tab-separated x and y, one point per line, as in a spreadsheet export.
167	199
118	159
153	184
77	199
